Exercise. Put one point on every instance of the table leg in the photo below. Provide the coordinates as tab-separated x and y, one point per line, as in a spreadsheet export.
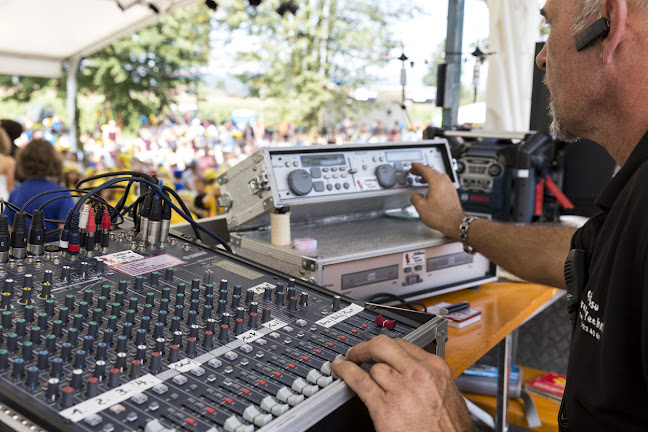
504	369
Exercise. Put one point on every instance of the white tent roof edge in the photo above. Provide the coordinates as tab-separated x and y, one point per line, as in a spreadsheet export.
51	67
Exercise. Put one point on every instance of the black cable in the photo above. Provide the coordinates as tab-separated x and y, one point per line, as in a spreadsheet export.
30	200
134	208
53	232
120	204
161	194
184	208
115	174
384	297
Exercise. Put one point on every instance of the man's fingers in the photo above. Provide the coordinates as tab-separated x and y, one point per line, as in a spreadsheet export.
386	377
360	381
380	349
425	172
417	353
417	199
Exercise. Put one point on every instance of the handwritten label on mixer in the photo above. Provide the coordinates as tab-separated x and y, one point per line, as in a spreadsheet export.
249	336
184	365
275	324
260	289
110	398
340	315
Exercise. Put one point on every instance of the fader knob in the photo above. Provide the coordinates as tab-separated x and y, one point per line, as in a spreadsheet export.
253	320
224	332
300	182
32	377
208	277
47	276
303	299
336	303
265	317
68	397
238	326
65	274
168	274
386	175
52	388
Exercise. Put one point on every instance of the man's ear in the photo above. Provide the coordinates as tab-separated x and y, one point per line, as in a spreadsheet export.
616	11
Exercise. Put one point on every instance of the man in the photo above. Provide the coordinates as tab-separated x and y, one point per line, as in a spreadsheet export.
601	93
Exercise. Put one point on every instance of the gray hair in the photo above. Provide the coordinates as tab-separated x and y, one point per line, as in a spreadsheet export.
589	10
586	12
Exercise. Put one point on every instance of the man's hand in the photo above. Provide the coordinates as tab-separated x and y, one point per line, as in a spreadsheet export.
407	389
441	208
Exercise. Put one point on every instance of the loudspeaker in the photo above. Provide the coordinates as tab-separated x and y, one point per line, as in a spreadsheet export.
441	79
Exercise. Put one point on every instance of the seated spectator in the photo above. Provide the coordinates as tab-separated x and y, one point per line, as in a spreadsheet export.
7	165
14	129
41	166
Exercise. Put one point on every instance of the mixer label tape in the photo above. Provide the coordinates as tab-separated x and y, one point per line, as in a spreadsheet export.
130	389
368	184
260	289
133	264
340	315
118	258
110	398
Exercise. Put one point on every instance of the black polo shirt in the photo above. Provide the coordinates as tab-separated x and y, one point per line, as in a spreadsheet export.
607	376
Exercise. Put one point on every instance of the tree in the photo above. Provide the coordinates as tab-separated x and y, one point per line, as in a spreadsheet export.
139	74
309	58
437	58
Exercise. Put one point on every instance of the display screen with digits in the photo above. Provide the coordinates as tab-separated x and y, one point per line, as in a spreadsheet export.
404	155
323	160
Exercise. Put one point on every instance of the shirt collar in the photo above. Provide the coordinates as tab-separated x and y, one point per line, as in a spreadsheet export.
614	187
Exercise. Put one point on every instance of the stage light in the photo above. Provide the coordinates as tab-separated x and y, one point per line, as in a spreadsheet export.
211	4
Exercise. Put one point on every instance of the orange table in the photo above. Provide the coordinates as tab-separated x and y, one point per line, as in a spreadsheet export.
504	306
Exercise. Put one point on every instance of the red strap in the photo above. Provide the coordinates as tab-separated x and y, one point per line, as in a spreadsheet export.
539	198
558	194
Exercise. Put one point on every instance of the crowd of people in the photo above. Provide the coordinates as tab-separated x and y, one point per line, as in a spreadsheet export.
186	153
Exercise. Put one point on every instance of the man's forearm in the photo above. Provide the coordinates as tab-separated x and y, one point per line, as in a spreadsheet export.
533	252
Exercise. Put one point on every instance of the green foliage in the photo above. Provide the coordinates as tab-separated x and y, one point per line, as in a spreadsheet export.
139	74
437	57
307	60
21	89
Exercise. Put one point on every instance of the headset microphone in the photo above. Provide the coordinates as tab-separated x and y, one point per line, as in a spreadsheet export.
599	29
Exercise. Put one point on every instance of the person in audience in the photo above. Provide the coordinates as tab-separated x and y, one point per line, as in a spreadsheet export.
7	165
41	166
15	130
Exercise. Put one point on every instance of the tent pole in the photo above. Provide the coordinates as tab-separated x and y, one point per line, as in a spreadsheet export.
454	41
72	88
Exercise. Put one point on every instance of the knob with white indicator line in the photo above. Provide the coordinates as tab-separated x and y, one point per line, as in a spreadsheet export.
300	182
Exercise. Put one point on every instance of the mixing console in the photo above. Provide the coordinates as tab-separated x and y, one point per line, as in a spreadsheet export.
177	336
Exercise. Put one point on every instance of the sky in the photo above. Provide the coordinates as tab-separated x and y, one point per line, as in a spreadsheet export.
422	35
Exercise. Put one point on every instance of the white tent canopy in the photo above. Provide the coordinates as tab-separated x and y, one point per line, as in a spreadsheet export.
38	36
